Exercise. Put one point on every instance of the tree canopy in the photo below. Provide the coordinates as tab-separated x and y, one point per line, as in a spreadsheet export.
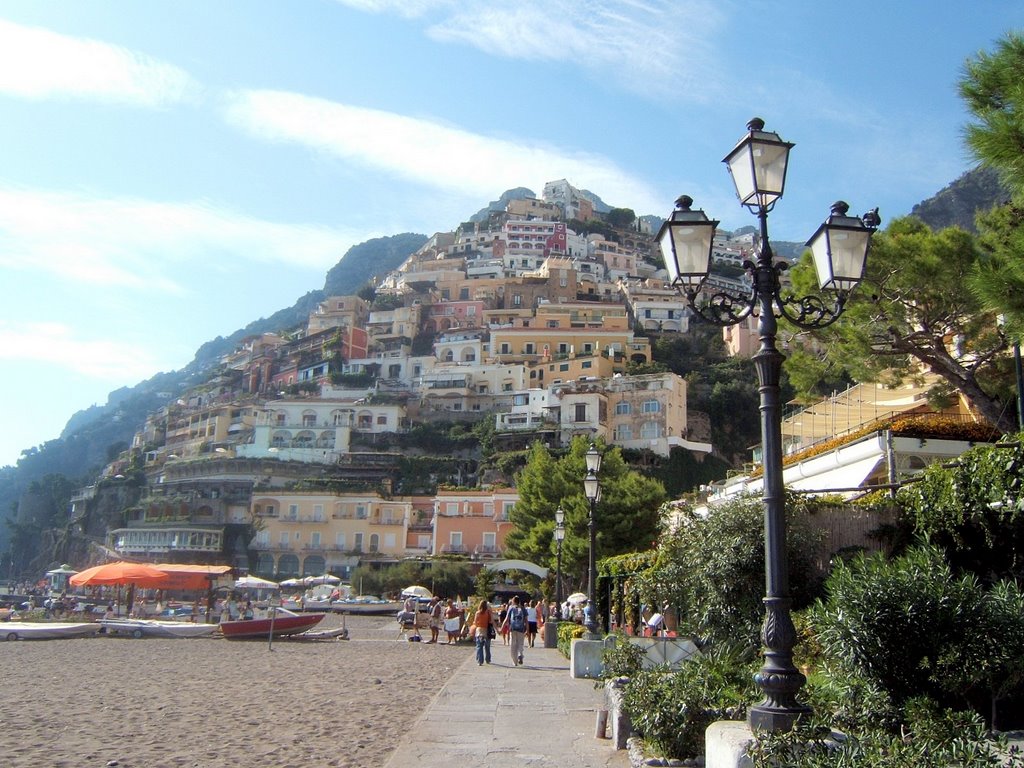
916	311
627	515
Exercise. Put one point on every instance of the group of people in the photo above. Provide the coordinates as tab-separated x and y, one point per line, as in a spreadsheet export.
518	623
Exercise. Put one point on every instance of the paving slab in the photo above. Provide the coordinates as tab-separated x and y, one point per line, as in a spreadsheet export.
502	716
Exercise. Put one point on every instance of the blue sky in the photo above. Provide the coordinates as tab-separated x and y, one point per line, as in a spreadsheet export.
171	171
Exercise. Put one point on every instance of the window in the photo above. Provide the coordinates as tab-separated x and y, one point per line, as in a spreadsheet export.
651	406
314	540
389	540
293	511
309	419
382	420
490	541
623	408
580	412
263	538
624	432
588	364
456	541
517	300
528	349
505	349
361	511
284	538
318	512
374	542
339	541
650	429
357	545
451	508
552	323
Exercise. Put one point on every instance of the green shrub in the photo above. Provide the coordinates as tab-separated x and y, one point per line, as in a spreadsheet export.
907	624
932	738
622	658
567	632
671	710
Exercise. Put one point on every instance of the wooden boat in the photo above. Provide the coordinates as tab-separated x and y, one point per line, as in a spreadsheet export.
366	605
47	630
154	628
283	623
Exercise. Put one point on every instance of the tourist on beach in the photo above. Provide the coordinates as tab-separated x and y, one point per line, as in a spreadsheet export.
532	621
516	621
483	627
452	622
502	615
435	618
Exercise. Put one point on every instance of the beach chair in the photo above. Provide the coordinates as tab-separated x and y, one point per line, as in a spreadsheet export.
408	626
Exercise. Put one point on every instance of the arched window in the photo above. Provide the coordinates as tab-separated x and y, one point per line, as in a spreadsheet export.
314	565
265	565
288	566
281	439
375	542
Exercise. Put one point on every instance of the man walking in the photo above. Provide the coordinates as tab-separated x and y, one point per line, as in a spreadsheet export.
516	624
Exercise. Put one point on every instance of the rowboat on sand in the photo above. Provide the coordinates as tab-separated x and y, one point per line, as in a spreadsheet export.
155	628
47	630
282	624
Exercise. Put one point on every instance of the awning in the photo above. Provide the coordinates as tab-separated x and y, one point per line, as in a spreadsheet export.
183	576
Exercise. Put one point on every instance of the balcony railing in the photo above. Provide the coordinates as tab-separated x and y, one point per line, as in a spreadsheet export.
453	549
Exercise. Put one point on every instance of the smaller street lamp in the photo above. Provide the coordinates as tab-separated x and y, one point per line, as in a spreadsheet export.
592	490
559	537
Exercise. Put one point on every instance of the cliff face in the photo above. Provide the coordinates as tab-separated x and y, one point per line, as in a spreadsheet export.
957	204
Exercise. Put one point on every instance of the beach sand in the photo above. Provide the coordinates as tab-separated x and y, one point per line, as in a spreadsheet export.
210	702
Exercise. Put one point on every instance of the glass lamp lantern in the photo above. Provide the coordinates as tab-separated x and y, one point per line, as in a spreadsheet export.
758	165
840	248
686	240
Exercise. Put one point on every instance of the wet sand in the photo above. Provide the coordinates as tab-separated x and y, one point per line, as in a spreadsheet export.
209	702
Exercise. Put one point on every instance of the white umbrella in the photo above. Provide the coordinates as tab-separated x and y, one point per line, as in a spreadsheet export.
576	598
292	583
327	578
255	582
417	591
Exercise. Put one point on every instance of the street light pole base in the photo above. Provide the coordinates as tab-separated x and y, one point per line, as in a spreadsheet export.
765	717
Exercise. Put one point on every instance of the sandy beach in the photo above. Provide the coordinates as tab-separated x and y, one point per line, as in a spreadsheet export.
207	702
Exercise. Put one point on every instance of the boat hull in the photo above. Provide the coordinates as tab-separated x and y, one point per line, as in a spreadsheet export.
43	630
152	628
282	626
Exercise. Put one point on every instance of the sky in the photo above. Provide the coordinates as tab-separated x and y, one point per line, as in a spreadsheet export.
172	171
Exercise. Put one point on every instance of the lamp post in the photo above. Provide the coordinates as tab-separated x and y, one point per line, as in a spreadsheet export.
839	247
559	537
592	489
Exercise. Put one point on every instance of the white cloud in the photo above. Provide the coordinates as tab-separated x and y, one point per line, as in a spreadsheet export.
36	63
662	47
59	345
144	245
427	152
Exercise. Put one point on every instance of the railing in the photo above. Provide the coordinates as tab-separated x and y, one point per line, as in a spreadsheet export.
453	549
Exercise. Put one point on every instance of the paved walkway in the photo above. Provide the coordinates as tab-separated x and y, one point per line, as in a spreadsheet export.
500	716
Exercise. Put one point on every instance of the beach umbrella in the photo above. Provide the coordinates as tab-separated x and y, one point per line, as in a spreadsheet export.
417	591
292	583
575	598
255	582
327	578
139	574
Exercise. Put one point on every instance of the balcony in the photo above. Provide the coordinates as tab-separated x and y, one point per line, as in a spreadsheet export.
386	521
454	549
487	550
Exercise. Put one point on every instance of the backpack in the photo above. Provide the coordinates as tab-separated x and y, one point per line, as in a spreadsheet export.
517	620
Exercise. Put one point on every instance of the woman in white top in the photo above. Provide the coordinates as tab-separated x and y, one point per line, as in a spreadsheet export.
531	622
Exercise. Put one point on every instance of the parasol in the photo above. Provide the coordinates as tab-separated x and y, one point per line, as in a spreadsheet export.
327	578
292	583
139	574
417	591
255	582
576	598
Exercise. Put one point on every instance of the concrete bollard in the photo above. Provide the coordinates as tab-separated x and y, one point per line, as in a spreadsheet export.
601	727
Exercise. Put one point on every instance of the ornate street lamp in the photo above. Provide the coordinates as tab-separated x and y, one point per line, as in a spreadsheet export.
559	537
840	246
592	490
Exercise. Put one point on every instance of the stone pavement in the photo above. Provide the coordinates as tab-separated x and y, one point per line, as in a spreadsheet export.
501	716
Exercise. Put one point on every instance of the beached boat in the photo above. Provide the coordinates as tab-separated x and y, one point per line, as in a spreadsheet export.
155	628
283	623
366	605
46	630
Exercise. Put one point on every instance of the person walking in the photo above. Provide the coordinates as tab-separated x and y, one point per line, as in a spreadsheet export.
516	621
483	628
532	621
436	620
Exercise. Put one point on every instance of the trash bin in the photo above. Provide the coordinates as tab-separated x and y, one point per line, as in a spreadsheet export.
551	633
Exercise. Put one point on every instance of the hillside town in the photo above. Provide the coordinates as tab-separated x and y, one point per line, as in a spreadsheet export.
288	460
